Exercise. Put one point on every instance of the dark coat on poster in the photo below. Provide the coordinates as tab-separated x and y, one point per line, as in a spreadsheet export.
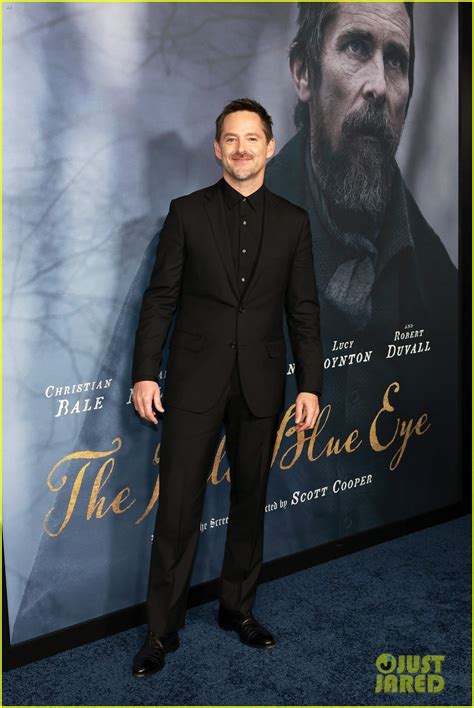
418	286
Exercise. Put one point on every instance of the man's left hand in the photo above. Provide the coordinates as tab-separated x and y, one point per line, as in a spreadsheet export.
307	410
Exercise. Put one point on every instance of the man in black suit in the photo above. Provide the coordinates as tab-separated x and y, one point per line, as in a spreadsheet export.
232	258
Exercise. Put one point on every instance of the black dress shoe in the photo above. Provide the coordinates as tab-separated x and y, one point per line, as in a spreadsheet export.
151	657
250	631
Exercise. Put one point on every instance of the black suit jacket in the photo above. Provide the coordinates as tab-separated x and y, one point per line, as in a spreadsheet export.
194	275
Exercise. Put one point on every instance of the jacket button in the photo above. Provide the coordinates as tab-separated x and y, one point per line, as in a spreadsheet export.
241	308
233	345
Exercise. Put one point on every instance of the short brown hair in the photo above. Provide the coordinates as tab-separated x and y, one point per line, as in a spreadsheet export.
245	104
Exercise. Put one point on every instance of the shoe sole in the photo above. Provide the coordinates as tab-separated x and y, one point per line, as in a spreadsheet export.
230	628
168	650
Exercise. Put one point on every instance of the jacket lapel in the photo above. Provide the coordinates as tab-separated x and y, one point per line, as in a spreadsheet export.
215	211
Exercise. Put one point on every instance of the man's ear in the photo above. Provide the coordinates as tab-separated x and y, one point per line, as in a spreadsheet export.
271	145
299	72
217	150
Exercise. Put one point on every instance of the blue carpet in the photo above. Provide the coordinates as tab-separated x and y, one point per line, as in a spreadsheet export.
408	596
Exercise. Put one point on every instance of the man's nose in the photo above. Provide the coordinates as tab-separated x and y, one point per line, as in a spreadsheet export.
375	85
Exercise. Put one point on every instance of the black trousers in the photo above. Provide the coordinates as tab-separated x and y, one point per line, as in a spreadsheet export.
188	445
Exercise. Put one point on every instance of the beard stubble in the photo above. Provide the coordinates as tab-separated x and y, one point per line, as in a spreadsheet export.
357	175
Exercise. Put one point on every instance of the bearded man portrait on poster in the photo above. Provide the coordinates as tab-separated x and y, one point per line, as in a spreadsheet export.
384	276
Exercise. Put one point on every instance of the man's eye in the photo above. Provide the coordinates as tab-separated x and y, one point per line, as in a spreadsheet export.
356	46
395	62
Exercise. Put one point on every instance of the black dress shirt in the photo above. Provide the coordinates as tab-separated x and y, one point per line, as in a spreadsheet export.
244	221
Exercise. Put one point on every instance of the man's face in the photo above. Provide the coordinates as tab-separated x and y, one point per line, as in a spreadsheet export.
243	147
357	107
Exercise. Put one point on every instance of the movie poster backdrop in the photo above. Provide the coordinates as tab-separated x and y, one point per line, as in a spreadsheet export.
109	113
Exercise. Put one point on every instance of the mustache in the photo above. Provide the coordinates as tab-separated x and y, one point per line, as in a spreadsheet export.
242	154
369	120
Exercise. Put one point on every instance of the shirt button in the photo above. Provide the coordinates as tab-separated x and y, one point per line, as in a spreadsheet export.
243	280
244	223
244	199
244	250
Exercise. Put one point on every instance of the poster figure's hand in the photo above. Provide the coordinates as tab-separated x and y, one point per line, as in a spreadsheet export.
307	410
145	394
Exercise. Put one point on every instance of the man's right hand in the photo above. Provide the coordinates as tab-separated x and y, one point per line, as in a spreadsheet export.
144	394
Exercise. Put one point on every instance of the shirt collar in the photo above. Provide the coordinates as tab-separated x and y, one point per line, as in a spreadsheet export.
233	197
